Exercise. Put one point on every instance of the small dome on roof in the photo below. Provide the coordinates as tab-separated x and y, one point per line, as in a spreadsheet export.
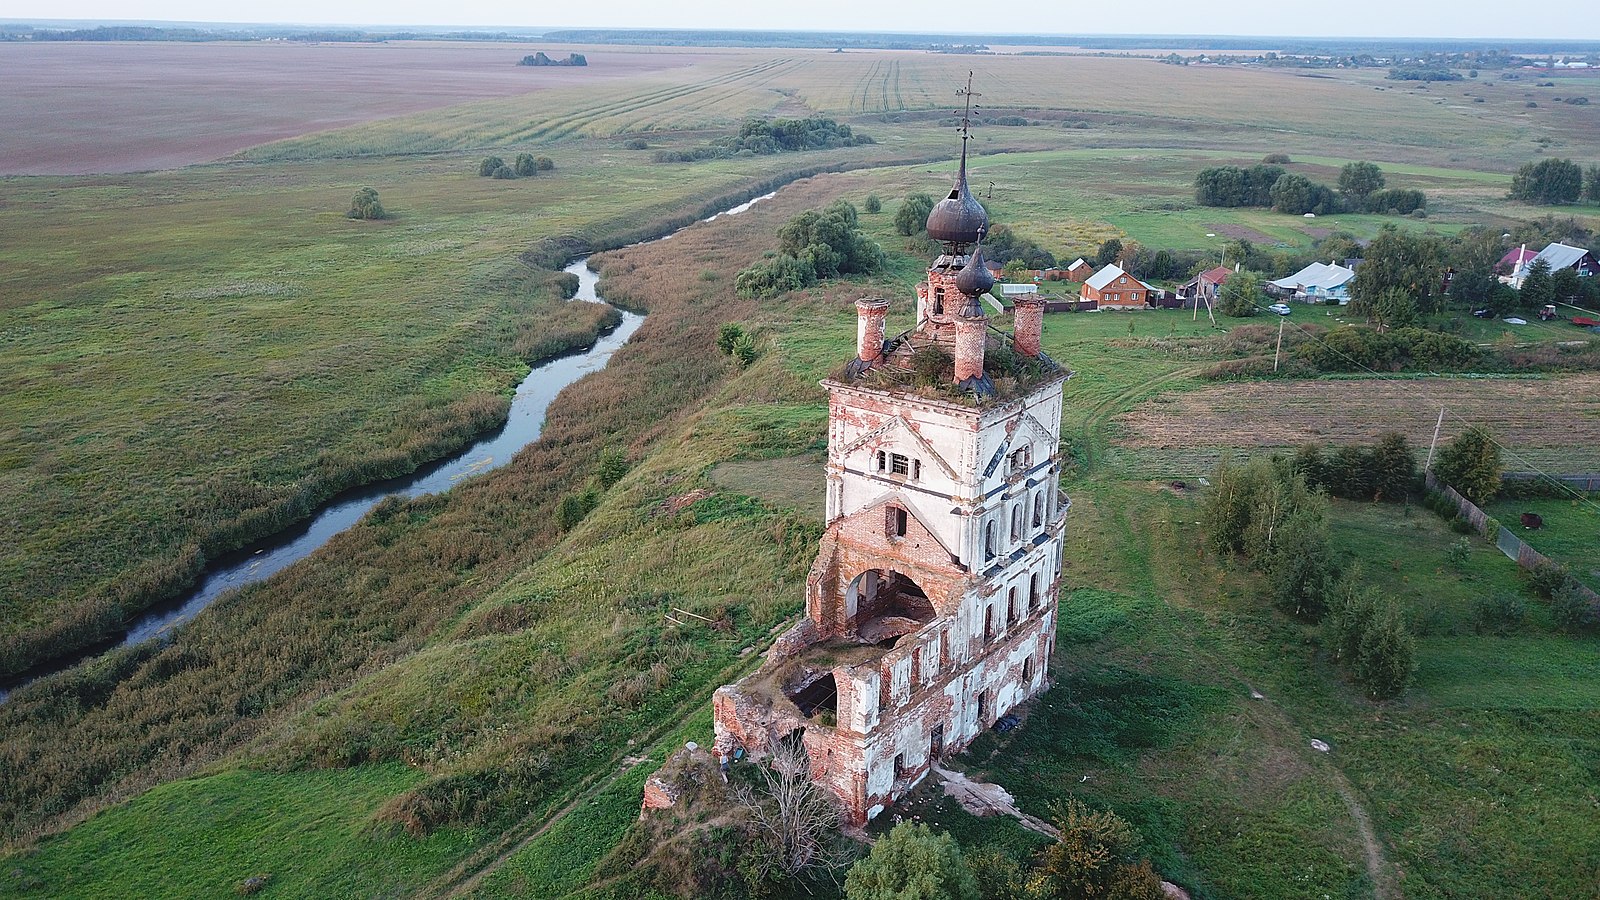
958	218
975	278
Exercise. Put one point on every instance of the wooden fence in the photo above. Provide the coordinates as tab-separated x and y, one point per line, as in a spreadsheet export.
1512	546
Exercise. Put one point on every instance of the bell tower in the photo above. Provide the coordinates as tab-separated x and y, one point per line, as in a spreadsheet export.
931	606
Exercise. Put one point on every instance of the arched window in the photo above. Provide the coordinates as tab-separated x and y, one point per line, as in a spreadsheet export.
1011	607
883	461
938	301
1027	671
1038	509
1016	522
1033	591
988	540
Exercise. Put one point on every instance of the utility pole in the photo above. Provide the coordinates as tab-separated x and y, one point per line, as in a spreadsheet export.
1279	349
1428	466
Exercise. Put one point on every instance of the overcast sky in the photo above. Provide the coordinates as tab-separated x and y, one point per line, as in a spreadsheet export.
1353	18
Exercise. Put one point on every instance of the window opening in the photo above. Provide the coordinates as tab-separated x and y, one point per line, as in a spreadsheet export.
1016	522
1011	608
897	521
899	465
1033	591
988	540
882	460
938	301
1038	508
916	470
1027	670
983	707
988	623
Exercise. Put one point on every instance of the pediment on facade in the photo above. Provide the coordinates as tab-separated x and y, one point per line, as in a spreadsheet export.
898	498
899	428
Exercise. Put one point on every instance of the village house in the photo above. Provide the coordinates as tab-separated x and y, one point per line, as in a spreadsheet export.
1203	288
931	606
1113	288
1557	256
1316	283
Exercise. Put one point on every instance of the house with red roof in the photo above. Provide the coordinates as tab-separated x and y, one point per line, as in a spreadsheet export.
1203	287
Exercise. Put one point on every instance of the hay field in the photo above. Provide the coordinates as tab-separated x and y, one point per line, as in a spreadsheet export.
72	107
1549	423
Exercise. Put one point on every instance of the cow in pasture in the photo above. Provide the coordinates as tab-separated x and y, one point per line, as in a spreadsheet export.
1532	520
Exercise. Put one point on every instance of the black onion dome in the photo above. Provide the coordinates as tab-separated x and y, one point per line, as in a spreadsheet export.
958	218
975	278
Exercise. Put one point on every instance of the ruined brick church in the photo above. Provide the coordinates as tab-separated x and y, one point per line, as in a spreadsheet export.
931	607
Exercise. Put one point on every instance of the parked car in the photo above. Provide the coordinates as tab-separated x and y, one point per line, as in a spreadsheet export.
1281	309
1483	313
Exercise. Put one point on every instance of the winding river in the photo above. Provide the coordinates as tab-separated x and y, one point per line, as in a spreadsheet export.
526	420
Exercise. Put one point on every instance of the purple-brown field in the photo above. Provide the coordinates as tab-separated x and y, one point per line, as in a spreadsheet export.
73	108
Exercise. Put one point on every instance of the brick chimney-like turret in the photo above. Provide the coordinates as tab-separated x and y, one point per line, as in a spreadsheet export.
1028	319
970	334
870	313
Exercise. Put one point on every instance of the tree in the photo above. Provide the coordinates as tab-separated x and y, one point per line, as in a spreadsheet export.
1471	465
1108	252
1565	285
1399	260
488	165
1367	634
1359	179
544	163
365	205
727	336
912	216
1538	286
1096	858
793	815
1548	182
612	466
1297	194
1591	184
1301	571
525	165
1393	466
1394	309
873	205
912	863
1240	295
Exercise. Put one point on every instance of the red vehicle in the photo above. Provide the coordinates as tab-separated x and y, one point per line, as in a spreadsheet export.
1585	321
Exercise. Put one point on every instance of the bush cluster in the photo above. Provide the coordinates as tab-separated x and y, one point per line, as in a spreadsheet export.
814	245
1383	471
1367	633
524	166
1265	184
1355	348
762	137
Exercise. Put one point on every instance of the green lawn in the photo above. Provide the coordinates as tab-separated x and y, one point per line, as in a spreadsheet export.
1570	535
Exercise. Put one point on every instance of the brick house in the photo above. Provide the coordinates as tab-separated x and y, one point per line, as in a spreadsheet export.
1113	288
931	606
1079	270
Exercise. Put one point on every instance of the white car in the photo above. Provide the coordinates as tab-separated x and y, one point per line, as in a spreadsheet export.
1281	309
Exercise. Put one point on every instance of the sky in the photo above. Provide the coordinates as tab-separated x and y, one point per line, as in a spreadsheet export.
1353	18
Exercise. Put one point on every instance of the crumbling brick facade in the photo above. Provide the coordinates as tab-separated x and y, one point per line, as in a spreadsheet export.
931	606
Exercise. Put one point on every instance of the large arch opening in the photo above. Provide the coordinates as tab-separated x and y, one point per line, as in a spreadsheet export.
886	605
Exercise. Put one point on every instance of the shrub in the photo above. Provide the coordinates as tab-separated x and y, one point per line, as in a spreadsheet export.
1097	856
1501	612
525	165
1276	159
612	466
544	164
872	205
636	144
1548	577
1458	554
365	205
1471	465
503	172
912	216
744	349
932	366
727	335
1572	610
574	507
489	164
912	863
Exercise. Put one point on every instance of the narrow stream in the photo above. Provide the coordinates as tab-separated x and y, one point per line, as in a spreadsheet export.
255	563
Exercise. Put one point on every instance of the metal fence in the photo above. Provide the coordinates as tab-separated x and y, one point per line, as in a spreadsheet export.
1512	546
1585	483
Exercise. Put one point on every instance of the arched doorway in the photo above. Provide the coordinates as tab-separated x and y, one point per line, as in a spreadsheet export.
884	605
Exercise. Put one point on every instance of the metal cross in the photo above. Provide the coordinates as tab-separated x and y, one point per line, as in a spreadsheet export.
966	115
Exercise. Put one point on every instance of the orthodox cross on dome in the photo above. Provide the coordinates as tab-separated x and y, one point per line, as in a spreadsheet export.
967	114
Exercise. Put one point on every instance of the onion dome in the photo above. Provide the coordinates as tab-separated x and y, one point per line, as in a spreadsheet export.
958	218
975	278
